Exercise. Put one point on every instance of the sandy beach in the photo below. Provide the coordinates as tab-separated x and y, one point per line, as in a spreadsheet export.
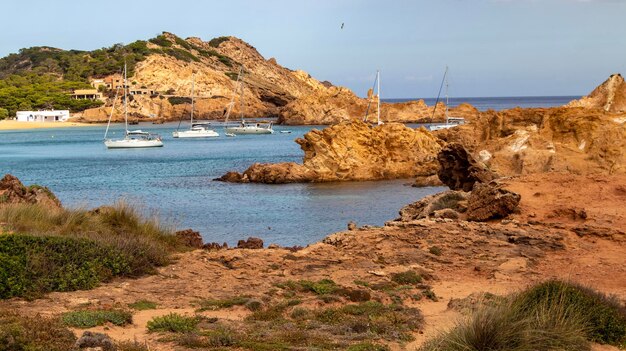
15	125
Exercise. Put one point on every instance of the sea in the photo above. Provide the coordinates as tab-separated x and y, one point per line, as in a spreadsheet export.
176	183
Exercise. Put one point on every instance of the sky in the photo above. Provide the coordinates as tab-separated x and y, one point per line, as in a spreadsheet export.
492	47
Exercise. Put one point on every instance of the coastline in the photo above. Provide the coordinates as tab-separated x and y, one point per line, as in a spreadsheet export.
15	125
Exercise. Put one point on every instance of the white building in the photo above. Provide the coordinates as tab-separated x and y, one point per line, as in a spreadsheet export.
43	116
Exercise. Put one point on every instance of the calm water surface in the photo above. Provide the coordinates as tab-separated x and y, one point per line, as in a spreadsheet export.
176	182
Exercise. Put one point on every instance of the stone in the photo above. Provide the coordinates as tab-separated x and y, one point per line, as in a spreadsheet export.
95	340
459	170
431	180
215	246
352	225
490	201
189	238
251	243
447	204
233	177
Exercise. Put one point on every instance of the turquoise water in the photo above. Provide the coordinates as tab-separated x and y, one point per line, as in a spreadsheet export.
176	182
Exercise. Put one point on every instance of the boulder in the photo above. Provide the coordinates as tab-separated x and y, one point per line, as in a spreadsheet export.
215	246
13	191
93	340
233	177
490	201
423	181
251	243
459	170
447	204
189	238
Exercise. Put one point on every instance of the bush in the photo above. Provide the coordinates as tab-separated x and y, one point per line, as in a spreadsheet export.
549	316
604	316
36	334
179	100
161	40
215	42
405	278
173	322
65	250
94	318
143	305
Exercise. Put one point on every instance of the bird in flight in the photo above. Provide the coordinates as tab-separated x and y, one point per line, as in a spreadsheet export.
342	26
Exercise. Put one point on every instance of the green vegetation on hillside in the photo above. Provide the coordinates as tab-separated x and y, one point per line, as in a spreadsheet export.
65	250
31	91
43	77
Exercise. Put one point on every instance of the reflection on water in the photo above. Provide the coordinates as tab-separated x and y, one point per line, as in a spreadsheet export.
176	182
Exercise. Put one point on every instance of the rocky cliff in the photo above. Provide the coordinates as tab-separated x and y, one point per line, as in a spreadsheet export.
609	96
523	141
353	151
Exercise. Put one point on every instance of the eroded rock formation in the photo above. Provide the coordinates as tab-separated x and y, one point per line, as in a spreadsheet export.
353	151
459	170
609	96
13	191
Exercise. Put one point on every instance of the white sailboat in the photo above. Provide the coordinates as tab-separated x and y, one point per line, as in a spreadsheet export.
450	121
243	127
134	138
198	129
377	86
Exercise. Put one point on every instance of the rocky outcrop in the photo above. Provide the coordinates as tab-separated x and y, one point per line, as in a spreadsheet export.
490	201
459	170
251	243
609	96
13	191
448	204
353	151
537	140
336	105
190	238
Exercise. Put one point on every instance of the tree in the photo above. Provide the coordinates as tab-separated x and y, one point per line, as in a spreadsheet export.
4	113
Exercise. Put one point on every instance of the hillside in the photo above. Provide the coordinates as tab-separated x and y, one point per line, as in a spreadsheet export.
163	66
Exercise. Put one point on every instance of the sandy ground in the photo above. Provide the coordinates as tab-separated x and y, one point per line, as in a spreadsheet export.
570	227
15	125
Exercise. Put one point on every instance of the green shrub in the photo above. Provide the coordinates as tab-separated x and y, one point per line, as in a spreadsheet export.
406	278
216	304
368	347
93	318
179	100
435	250
33	333
132	346
30	266
604	316
143	305
173	322
215	42
65	250
553	315
161	40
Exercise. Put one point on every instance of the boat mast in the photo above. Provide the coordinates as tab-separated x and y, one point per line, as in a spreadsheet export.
378	79
193	82
125	100
447	102
111	114
241	96
232	99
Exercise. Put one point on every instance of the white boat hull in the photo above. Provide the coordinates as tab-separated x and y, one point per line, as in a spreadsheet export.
132	143
195	134
441	126
248	130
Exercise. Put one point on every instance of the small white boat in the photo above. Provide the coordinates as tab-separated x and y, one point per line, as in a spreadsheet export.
451	122
250	128
243	127
230	135
198	129
135	139
285	131
132	139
